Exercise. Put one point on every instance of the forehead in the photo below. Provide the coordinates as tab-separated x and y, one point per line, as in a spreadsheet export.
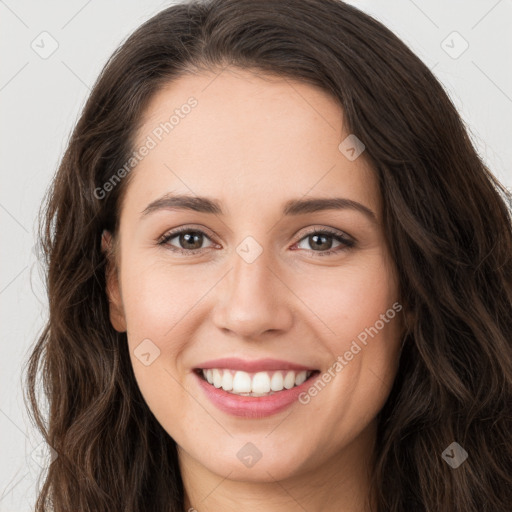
247	137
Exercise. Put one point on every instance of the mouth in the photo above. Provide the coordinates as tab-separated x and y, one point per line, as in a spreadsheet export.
254	384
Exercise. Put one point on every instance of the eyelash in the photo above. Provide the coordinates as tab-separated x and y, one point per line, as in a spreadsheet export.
346	242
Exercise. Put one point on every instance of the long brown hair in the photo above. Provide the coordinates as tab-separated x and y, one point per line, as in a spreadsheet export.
447	221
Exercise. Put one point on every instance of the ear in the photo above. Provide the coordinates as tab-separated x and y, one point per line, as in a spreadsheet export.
117	316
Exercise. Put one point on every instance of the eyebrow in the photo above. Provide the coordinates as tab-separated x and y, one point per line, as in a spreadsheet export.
292	207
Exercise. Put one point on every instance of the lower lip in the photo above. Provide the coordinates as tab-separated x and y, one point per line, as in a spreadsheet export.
250	406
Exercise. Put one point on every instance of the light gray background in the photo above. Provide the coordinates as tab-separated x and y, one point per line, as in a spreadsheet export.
42	97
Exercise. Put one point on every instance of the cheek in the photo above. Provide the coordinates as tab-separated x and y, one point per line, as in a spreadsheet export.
350	298
159	297
158	303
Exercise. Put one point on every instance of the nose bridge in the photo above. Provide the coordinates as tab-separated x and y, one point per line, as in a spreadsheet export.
251	274
250	280
250	298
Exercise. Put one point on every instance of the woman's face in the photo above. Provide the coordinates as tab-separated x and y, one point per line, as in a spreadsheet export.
254	278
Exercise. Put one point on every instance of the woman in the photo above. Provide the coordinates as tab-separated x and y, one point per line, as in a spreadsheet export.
279	276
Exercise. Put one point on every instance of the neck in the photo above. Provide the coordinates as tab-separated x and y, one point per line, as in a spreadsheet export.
340	483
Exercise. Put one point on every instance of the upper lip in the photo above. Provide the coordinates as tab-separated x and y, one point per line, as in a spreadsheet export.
234	363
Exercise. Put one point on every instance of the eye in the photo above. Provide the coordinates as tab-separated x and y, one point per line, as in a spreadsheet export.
322	239
190	241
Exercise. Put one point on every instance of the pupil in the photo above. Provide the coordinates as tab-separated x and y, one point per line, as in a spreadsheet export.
187	237
324	237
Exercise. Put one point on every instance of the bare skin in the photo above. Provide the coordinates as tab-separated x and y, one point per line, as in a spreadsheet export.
252	144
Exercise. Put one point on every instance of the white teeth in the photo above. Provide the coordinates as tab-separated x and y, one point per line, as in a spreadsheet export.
242	383
255	384
289	380
261	383
217	378
300	377
277	383
227	381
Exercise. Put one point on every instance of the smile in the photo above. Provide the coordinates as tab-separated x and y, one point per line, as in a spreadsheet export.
263	383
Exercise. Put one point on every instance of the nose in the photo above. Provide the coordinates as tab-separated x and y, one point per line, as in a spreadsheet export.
252	300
